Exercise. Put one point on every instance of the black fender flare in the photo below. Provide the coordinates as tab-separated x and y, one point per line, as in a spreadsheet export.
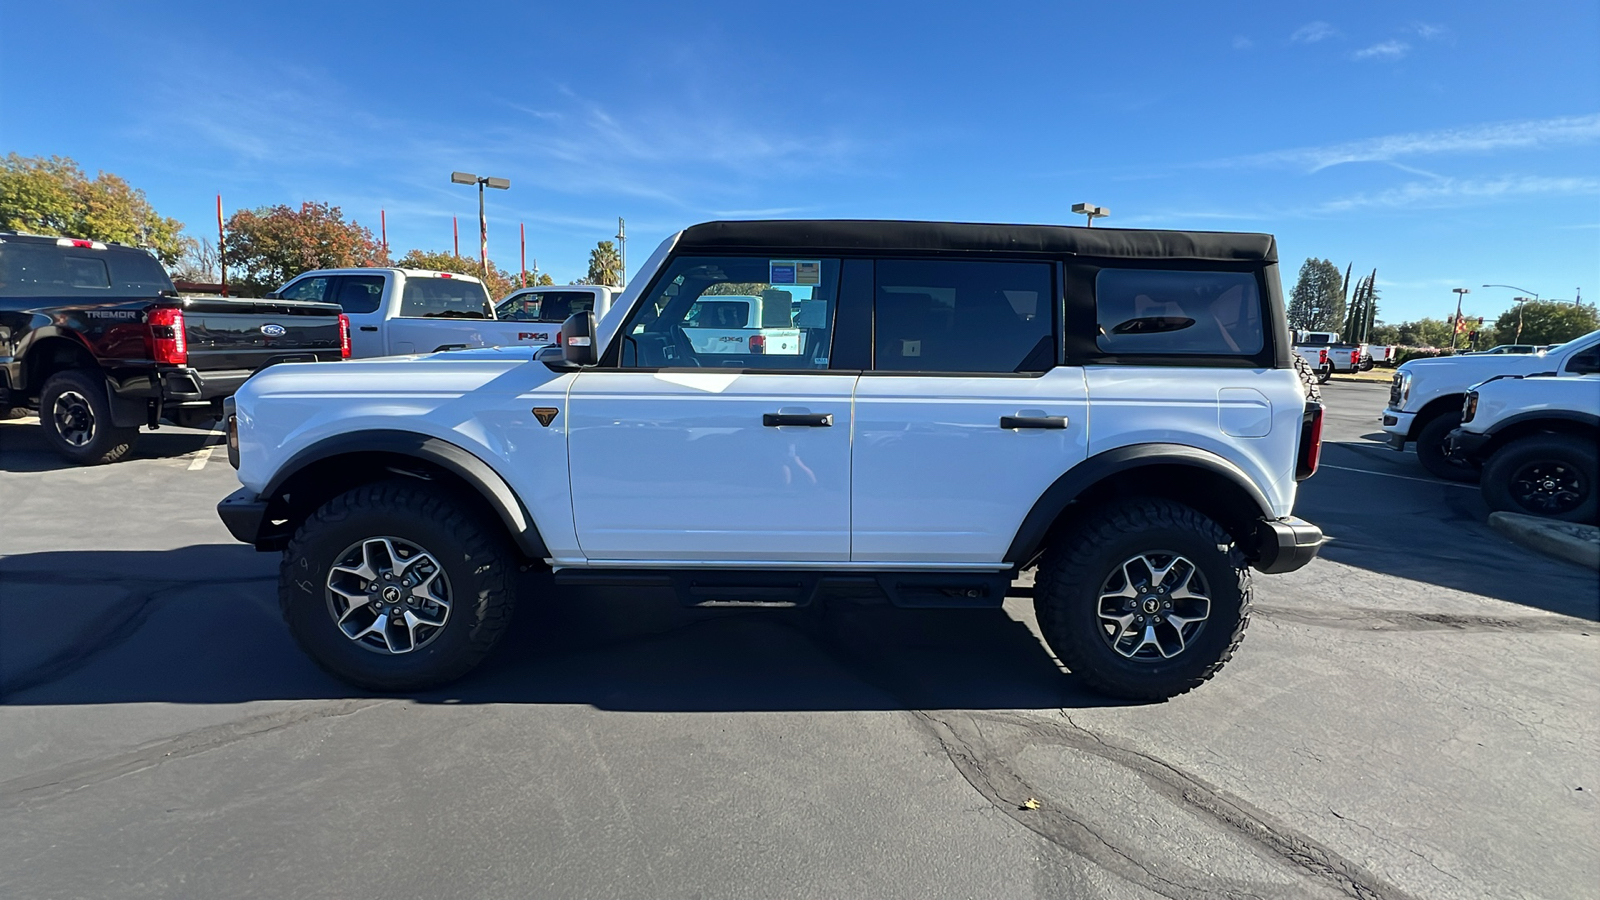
1565	415
456	460
1085	475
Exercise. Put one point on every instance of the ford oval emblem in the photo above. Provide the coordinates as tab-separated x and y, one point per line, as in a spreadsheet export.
274	330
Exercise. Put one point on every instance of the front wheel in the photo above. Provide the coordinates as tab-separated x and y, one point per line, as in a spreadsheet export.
1431	452
1550	475
76	415
395	587
1146	602
1323	374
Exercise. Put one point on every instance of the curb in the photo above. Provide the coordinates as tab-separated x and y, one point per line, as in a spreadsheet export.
1570	541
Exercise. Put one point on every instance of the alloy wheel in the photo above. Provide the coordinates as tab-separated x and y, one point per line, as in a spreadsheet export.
1153	606
1547	487
74	418
389	595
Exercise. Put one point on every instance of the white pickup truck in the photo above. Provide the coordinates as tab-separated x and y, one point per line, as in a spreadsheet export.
396	312
744	324
1426	395
543	309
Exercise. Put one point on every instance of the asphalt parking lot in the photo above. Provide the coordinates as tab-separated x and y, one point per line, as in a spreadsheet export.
1412	715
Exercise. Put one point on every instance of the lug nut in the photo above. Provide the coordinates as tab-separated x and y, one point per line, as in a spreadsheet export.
1167	605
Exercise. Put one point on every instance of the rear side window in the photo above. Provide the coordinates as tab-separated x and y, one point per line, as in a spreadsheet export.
1154	311
359	293
544	306
30	269
445	298
946	316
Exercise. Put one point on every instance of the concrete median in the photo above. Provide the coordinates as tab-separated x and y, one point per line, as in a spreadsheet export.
1570	541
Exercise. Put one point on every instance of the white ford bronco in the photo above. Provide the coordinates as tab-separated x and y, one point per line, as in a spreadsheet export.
1117	408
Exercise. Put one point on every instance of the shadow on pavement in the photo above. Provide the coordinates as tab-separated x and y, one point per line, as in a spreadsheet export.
1383	512
200	625
23	447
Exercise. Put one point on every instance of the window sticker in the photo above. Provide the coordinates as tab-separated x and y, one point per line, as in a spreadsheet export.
794	271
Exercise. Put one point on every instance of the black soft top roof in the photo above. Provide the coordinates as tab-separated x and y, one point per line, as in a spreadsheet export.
968	237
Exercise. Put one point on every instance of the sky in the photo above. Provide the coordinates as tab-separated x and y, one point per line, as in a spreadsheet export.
1444	144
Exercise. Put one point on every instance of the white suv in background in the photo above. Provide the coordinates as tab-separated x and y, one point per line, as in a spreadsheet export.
1119	408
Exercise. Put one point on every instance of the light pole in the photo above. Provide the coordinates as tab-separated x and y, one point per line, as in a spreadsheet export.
1519	301
1091	212
622	253
1455	323
483	222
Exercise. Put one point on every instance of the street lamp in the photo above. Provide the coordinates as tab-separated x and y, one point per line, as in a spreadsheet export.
1455	323
483	222
1519	301
1090	211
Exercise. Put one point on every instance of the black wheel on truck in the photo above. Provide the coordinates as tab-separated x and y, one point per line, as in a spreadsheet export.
76	415
394	586
1550	475
1324	373
1430	449
1146	602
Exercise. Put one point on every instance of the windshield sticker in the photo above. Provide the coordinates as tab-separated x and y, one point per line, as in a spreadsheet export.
795	271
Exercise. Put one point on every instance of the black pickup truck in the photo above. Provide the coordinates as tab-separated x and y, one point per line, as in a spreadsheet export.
94	336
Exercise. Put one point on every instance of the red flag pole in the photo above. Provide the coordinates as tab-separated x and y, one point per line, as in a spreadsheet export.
222	247
455	232
522	241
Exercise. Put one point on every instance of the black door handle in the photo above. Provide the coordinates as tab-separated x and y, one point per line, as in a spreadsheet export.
369	328
1033	421
809	420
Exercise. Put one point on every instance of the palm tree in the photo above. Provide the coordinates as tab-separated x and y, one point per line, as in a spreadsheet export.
605	266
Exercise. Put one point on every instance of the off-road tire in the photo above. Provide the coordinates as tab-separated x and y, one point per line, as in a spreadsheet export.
105	442
475	555
1563	448
1074	567
1430	449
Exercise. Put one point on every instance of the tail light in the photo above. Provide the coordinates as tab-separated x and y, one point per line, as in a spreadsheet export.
758	343
1310	443
167	341
344	336
1355	357
1322	357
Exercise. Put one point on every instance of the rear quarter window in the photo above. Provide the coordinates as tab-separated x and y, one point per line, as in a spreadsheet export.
445	298
47	270
1150	311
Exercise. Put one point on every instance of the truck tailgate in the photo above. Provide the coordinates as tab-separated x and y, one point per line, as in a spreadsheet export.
428	335
247	334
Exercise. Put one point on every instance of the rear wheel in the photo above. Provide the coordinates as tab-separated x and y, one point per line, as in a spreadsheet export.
1550	475
1324	373
395	587
76	415
1430	449
1146	602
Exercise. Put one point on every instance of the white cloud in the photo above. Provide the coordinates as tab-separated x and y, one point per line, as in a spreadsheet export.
1312	32
1384	50
1429	32
1462	191
1524	135
1240	42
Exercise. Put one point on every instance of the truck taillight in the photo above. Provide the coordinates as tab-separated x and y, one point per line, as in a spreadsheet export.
1310	443
344	336
1322	357
1355	357
167	341
758	343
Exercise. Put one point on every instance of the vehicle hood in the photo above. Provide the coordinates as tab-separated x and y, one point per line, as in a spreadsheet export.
1472	369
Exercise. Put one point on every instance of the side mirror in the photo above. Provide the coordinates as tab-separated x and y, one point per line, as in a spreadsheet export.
577	340
273	295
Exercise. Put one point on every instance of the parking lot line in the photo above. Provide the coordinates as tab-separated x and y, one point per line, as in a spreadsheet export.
1470	487
203	455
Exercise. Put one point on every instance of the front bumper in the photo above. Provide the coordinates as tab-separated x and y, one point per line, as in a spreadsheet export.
1397	425
1465	446
1286	545
244	514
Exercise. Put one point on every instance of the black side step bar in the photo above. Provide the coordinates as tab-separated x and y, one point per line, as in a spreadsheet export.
802	587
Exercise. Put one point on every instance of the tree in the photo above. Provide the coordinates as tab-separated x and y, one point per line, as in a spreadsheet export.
544	280
1317	301
1425	333
53	196
499	283
1547	322
269	245
199	262
1363	309
605	266
1384	334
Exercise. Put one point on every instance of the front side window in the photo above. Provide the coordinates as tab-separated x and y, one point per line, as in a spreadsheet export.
544	306
360	293
946	316
445	298
735	312
314	289
1158	311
